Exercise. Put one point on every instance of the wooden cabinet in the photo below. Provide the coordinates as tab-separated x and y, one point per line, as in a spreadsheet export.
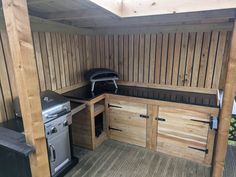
185	133
127	121
172	128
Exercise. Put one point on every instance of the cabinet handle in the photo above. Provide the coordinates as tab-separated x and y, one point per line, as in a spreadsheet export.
116	129
201	121
144	116
198	149
160	119
113	106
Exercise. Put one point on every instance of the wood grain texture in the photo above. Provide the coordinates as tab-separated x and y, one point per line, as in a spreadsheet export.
189	59
27	82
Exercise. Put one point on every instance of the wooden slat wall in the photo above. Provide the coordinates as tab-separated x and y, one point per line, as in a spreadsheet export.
61	58
190	59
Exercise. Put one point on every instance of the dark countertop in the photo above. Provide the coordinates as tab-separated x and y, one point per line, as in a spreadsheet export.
12	138
202	99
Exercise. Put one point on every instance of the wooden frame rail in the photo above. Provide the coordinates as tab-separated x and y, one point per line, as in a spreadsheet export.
229	94
24	67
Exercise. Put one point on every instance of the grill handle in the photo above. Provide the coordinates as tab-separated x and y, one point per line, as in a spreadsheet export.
58	114
53	153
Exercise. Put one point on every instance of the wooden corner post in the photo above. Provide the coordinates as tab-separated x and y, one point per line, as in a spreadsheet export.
229	93
21	46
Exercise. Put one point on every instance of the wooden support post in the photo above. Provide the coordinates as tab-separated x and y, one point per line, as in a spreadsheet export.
229	93
21	46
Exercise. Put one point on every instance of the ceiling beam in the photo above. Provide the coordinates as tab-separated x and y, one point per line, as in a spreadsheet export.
76	14
169	19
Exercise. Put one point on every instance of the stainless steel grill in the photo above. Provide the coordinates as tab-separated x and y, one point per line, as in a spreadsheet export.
56	113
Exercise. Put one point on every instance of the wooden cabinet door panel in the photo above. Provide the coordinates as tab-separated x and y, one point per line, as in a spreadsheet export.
190	125
183	133
122	105
180	148
126	124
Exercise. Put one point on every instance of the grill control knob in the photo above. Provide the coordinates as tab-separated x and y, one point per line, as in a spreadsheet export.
65	123
53	130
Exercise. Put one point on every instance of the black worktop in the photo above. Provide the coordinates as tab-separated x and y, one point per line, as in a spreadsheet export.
202	99
13	138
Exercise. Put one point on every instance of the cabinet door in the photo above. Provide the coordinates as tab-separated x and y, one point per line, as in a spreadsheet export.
183	133
127	122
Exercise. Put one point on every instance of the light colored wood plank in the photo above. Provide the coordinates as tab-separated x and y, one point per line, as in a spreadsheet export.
152	59
164	58
204	58
7	53
228	99
147	57
45	60
116	53
21	46
183	56
136	57
121	56
211	60
190	59
131	57
170	55
178	38
219	59
61	61
141	57
158	58
197	57
39	62
56	60
5	84
126	57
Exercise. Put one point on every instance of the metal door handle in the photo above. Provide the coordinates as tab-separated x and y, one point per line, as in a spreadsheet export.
160	119
113	106
198	149
116	129
144	116
53	153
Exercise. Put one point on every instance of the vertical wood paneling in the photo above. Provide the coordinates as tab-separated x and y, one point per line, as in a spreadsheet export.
158	58
147	57
58	56
141	58
189	64
131	57
170	59
183	57
164	57
152	58
136	57
191	59
197	56
219	59
204	58
175	76
126	58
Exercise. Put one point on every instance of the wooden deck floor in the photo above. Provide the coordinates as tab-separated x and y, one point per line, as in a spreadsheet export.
115	159
230	163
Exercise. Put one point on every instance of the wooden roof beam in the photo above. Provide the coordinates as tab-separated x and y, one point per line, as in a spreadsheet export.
70	15
129	8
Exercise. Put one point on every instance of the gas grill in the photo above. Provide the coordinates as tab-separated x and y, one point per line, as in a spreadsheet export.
56	113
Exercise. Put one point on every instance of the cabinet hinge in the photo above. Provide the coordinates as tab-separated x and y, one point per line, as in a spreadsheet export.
113	106
144	116
198	149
